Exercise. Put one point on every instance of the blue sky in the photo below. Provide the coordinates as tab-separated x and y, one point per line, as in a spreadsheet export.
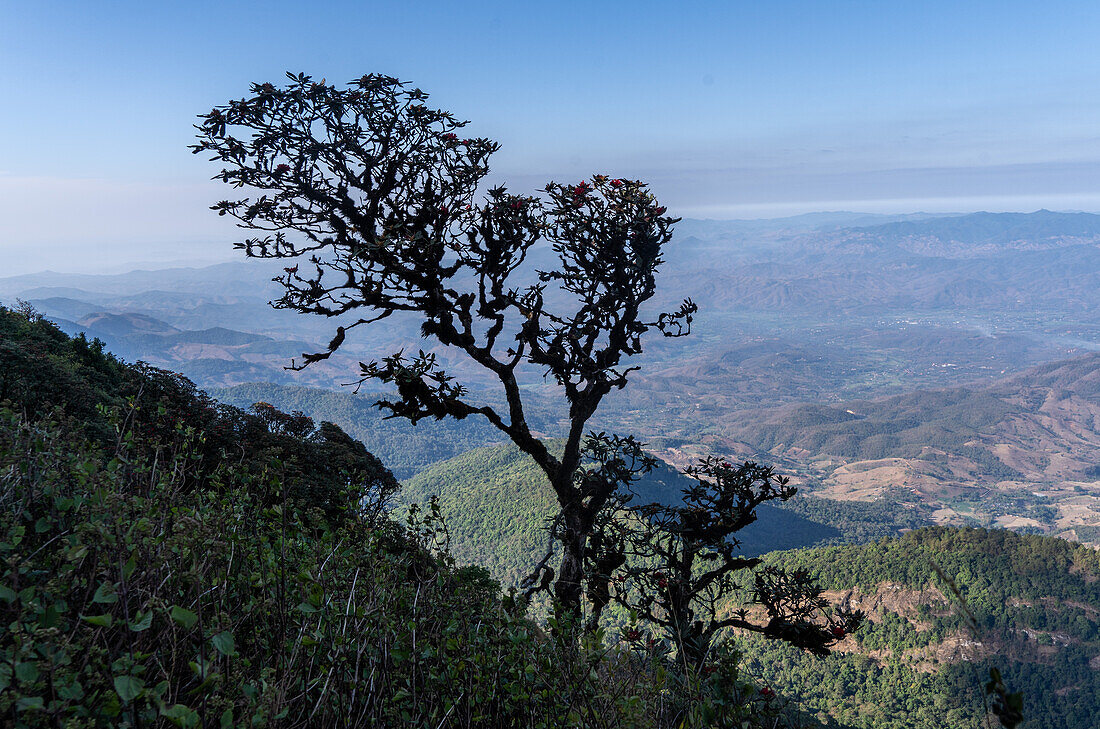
730	109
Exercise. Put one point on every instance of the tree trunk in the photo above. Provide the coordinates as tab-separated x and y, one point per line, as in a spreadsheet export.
569	588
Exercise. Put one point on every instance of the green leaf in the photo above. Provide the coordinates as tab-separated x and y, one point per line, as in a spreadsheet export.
103	621
110	705
128	687
72	692
5	677
183	617
227	719
26	671
181	715
223	641
129	567
49	617
28	703
106	594
160	689
7	594
142	621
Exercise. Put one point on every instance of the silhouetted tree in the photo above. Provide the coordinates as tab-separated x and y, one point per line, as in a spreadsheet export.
683	562
376	197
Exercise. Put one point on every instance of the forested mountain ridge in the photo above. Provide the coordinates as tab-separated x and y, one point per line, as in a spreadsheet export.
1036	608
497	506
47	374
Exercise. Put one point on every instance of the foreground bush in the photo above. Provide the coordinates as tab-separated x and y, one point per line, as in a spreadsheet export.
167	561
130	600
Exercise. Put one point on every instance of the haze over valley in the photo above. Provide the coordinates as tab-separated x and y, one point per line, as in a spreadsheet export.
942	363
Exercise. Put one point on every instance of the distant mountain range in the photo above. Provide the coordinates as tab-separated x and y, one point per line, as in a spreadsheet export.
1020	453
994	261
917	325
208	355
827	288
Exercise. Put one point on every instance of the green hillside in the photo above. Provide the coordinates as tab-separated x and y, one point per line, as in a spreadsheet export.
166	561
164	554
1035	601
496	502
405	448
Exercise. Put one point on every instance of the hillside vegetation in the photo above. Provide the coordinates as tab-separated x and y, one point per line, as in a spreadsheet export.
1036	601
497	505
1036	607
405	448
166	561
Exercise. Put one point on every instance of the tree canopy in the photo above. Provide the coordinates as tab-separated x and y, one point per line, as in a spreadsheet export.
375	197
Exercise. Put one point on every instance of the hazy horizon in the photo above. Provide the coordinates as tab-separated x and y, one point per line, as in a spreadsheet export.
728	110
70	260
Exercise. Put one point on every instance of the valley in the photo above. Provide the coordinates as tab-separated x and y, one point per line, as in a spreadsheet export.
943	603
940	363
1020	453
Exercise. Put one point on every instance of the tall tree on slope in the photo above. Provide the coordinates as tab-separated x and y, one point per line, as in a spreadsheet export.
375	196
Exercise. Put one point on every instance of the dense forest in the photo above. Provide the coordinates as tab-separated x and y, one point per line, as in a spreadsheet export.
497	507
1029	603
